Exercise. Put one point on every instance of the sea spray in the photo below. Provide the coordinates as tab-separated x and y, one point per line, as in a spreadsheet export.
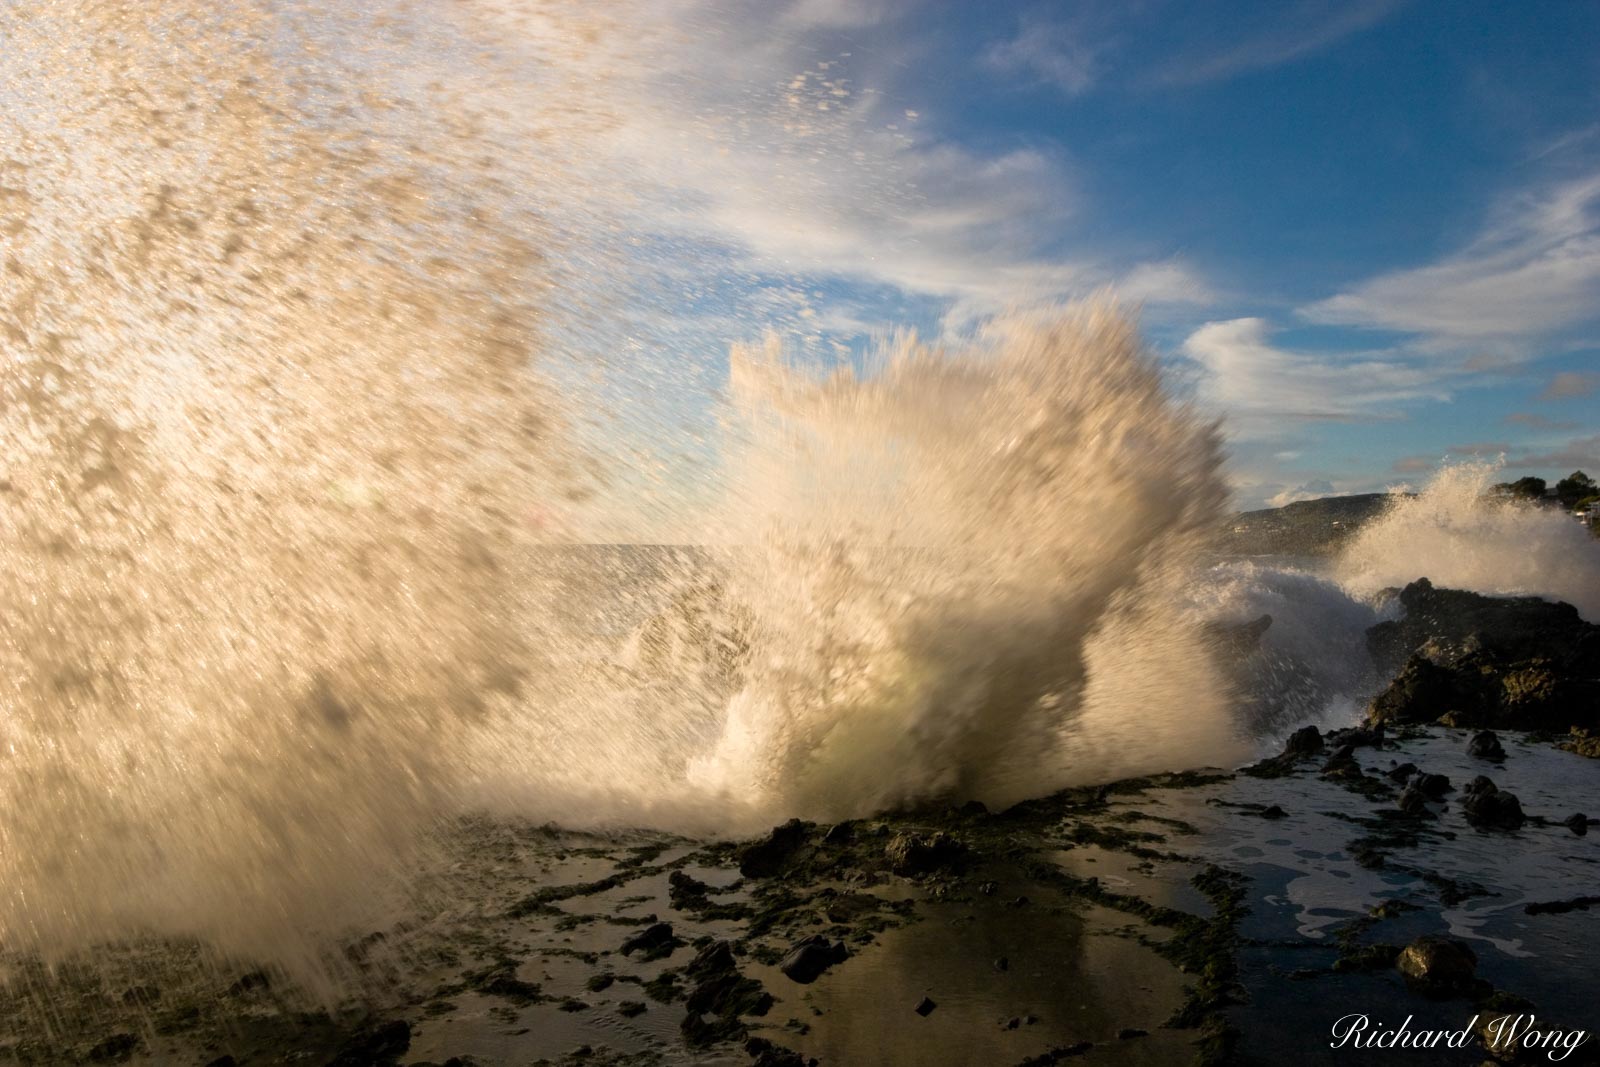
270	435
961	566
1458	535
282	454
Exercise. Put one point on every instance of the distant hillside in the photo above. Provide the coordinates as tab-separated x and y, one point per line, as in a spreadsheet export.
1306	528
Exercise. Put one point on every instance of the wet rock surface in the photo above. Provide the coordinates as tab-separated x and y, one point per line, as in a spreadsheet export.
1498	662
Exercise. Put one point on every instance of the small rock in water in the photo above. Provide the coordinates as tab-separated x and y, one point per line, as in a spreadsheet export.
1402	772
1485	744
650	939
1495	808
1274	812
1479	785
1578	824
925	1007
807	960
1432	786
1004	964
1413	801
1128	1032
1438	966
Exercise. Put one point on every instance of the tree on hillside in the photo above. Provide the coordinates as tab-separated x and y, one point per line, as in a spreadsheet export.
1529	488
1574	487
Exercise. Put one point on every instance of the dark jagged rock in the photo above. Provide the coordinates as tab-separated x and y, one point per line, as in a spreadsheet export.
925	1007
1438	966
1492	807
1478	785
1401	773
1413	801
840	833
1432	786
1477	661
1578	824
729	995
766	1054
1485	744
1306	741
1343	761
715	958
1273	811
686	892
807	960
912	854
1421	692
1359	737
776	852
654	941
1455	620
1303	743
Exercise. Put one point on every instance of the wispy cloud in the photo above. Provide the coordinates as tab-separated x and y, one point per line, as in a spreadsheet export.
774	156
1291	32
1570	385
1535	421
1580	452
1261	386
1532	273
1050	52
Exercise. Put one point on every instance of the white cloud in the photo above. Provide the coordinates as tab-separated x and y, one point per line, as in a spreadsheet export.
1260	387
1533	272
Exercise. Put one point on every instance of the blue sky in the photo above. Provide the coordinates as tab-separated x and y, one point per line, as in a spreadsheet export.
1366	233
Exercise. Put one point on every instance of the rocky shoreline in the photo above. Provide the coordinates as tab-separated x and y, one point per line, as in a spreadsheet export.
1432	864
